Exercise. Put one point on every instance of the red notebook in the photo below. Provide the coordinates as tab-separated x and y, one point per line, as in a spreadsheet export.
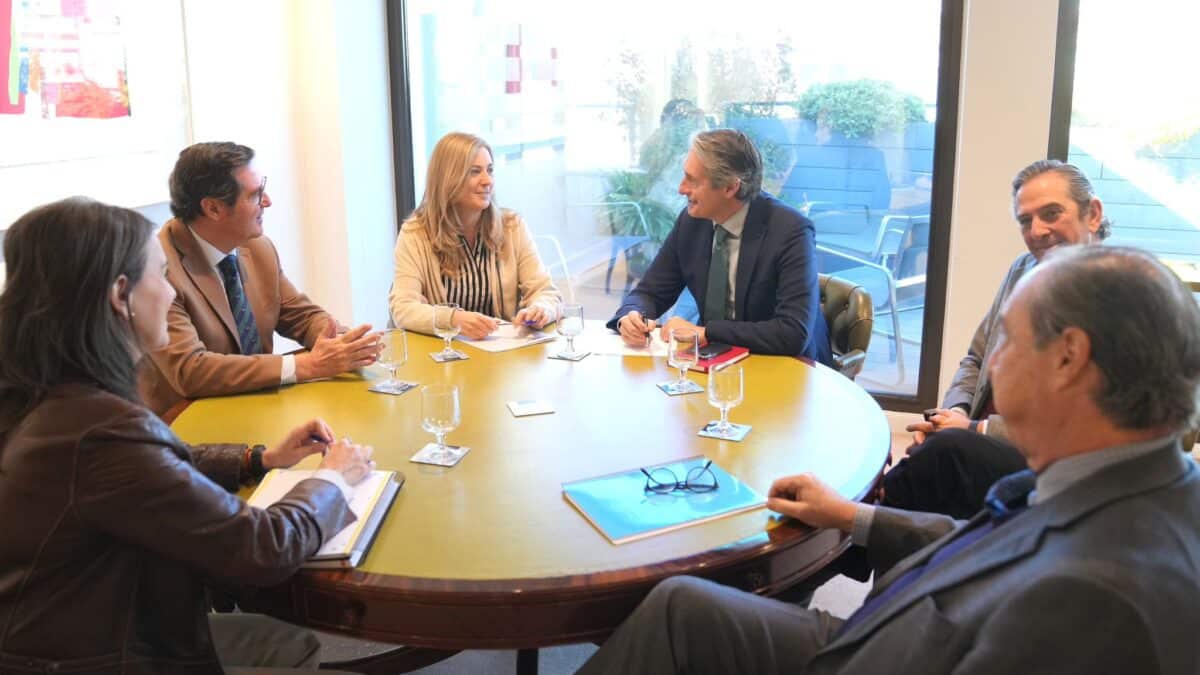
734	355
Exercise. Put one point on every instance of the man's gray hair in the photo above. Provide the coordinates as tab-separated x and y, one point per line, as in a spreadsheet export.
729	155
1080	186
1144	327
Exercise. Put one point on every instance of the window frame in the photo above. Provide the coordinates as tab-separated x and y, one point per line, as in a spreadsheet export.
941	191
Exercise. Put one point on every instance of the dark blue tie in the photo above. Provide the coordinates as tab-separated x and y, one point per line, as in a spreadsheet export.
1007	497
243	316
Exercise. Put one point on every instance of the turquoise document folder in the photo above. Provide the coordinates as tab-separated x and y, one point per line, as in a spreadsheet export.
619	506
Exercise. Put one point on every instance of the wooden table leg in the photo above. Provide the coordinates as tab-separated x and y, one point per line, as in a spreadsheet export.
527	661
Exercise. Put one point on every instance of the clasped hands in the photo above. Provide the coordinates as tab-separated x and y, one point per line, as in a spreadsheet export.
635	329
337	352
351	460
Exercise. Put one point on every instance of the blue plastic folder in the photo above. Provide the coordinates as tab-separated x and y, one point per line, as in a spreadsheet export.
618	505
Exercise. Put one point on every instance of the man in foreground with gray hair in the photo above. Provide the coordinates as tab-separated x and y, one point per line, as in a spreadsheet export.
747	258
1088	562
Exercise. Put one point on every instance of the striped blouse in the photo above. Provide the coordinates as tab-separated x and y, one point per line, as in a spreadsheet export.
471	290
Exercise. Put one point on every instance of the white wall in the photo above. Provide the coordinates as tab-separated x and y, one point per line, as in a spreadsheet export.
1004	124
305	84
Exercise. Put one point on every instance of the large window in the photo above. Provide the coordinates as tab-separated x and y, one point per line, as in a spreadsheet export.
589	107
1134	120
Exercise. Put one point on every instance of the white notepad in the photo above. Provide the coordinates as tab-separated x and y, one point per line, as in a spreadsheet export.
369	501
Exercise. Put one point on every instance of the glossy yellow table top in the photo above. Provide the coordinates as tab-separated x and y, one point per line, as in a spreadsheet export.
500	513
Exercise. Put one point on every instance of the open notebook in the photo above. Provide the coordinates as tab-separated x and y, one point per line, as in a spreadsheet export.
370	502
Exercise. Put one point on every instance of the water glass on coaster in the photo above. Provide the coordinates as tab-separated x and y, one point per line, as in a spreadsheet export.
440	414
683	351
726	385
445	328
569	324
394	353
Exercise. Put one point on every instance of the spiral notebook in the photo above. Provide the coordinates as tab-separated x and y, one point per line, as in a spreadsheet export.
618	506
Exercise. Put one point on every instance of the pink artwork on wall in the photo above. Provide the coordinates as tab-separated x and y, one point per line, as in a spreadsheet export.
62	58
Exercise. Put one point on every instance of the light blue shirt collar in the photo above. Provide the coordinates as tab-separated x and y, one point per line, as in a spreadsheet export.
736	222
1064	473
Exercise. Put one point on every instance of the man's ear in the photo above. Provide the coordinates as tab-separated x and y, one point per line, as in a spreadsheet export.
1095	215
1073	355
118	296
212	207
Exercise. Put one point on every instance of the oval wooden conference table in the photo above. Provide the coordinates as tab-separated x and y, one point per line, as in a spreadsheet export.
489	555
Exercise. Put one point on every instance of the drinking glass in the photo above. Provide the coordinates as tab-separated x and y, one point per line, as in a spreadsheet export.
394	353
725	390
445	328
440	414
570	324
684	352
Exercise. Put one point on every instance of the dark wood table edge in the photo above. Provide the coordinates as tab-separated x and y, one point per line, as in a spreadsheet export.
413	654
388	608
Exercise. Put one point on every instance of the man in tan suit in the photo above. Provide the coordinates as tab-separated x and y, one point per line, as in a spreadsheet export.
232	294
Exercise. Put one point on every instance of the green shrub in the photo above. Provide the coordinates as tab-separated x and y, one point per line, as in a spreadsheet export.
860	107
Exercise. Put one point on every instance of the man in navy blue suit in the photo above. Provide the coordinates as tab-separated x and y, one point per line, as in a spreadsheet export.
748	259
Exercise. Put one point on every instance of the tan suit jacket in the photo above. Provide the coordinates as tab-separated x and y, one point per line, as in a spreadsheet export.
203	356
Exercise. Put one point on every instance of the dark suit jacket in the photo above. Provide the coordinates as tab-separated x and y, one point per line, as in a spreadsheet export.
203	357
777	301
1101	578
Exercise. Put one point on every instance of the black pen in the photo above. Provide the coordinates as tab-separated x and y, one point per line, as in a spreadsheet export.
649	331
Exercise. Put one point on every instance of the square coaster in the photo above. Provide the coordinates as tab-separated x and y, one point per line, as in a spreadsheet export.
529	407
429	455
395	388
446	358
673	388
563	356
736	431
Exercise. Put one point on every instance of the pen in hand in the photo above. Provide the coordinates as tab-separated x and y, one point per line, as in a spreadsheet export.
316	438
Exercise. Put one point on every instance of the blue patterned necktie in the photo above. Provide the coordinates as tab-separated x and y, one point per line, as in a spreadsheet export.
243	316
1007	497
716	296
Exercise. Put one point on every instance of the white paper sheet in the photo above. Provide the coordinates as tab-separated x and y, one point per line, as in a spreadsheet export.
508	337
598	339
278	483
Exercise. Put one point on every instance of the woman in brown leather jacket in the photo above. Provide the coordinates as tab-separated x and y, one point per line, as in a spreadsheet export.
111	528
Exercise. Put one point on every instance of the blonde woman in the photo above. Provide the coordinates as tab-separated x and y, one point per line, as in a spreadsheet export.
459	246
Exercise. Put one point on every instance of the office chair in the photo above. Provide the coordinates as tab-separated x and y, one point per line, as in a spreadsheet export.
850	315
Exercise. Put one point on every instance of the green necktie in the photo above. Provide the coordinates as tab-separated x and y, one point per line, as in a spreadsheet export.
717	295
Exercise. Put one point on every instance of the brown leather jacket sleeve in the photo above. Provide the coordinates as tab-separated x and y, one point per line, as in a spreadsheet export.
221	463
136	482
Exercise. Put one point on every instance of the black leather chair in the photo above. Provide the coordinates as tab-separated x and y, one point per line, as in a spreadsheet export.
850	315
